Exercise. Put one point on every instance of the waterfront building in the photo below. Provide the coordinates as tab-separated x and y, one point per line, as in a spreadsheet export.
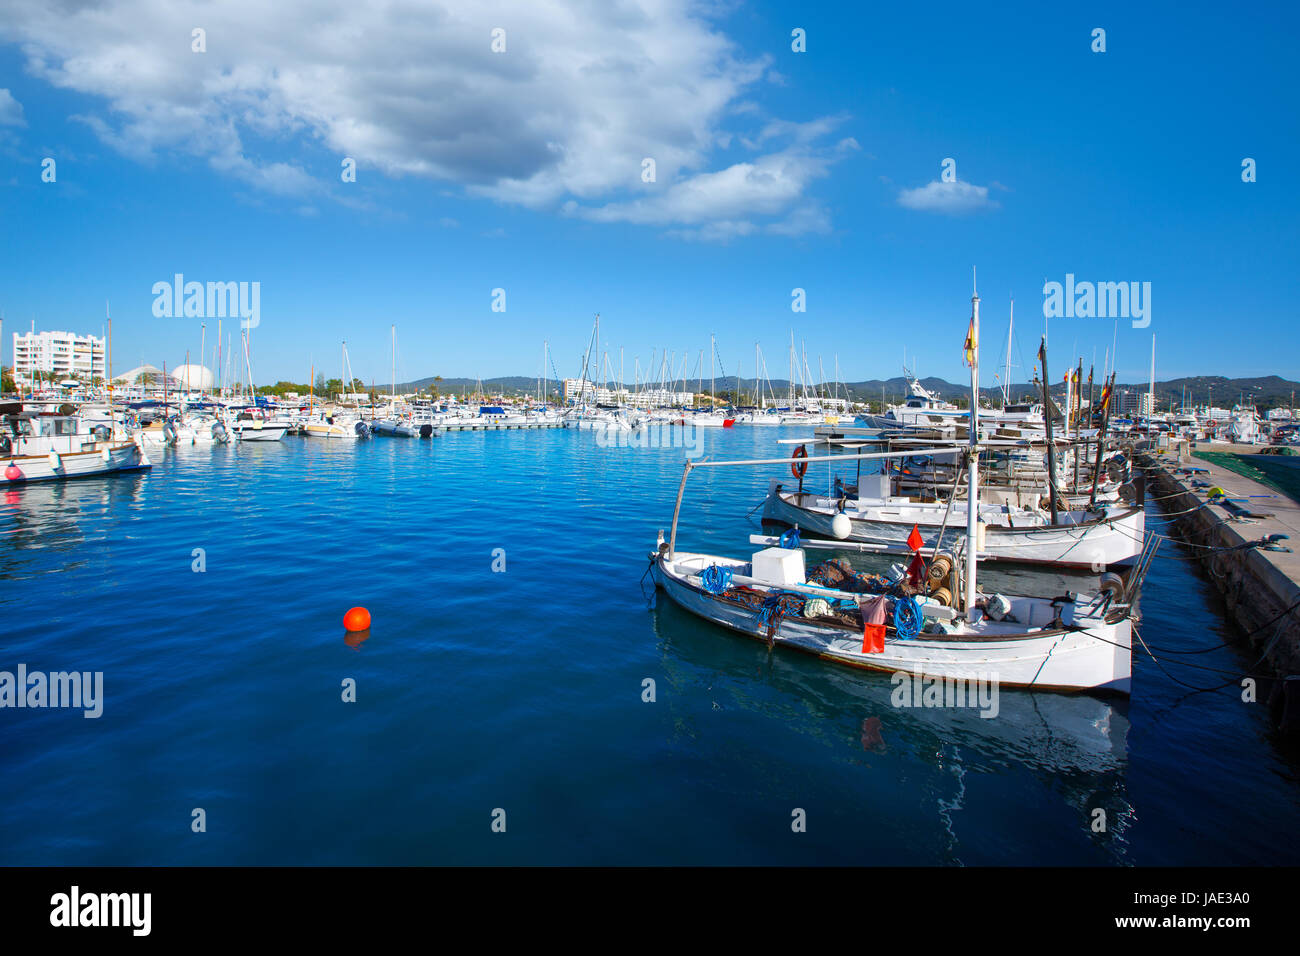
57	356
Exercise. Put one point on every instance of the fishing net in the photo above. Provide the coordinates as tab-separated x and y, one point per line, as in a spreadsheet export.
838	574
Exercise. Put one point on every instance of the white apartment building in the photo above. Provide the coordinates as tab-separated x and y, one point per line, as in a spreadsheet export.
576	389
54	356
660	398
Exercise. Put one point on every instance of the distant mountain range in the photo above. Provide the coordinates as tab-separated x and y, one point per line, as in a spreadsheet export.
1268	392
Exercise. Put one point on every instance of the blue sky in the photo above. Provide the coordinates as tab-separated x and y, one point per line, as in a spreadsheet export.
775	170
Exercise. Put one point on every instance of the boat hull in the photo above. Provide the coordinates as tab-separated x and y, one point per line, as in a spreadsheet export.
122	457
1095	657
1116	541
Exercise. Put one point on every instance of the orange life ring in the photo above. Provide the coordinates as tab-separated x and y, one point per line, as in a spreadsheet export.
799	468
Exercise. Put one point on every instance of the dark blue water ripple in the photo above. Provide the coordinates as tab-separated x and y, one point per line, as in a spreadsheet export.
522	690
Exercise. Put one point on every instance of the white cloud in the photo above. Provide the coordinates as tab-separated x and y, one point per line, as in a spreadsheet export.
955	198
728	200
584	92
11	111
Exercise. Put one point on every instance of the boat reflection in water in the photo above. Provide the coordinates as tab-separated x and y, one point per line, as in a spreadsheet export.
1073	747
51	515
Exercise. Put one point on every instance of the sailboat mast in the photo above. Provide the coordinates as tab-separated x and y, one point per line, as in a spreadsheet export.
972	478
1006	374
1151	401
792	369
713	390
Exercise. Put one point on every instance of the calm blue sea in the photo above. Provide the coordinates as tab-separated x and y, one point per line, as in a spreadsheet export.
521	690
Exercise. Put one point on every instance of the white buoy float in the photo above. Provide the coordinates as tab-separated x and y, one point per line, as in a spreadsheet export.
841	526
55	462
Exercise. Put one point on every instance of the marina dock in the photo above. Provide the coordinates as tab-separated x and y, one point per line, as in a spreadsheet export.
484	425
1260	584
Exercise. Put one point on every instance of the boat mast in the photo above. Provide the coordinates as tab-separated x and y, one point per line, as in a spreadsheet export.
792	370
1151	401
393	393
1006	374
973	467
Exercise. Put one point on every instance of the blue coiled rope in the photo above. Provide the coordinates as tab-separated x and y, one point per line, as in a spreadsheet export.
769	615
789	539
907	617
715	579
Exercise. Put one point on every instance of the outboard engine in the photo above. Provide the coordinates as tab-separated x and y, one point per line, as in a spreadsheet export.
169	433
426	431
361	429
219	432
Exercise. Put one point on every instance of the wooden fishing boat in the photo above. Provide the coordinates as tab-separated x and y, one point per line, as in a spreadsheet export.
1110	535
941	627
1070	643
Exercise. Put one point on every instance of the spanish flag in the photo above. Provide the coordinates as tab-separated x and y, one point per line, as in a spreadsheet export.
1105	397
972	343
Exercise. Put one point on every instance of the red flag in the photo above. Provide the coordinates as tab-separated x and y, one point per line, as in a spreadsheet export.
916	571
914	540
874	612
873	638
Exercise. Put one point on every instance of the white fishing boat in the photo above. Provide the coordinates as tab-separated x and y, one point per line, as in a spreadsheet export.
942	626
1078	644
51	446
1007	531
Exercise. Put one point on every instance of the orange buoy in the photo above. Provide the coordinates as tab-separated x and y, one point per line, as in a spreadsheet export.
357	619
